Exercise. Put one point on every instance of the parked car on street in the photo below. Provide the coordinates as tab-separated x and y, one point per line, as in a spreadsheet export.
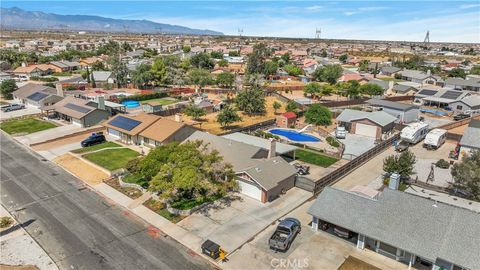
95	138
402	146
12	107
285	233
460	116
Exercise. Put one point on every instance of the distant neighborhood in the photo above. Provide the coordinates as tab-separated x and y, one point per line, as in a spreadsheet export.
246	150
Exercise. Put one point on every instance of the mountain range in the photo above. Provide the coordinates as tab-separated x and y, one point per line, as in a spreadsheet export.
16	18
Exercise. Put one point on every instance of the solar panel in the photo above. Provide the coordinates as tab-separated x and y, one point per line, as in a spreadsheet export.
77	108
124	123
451	94
37	96
427	92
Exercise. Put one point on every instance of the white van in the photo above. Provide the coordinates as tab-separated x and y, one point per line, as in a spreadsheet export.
435	138
340	132
414	132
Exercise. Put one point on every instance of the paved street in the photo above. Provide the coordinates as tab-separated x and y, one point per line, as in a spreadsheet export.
78	228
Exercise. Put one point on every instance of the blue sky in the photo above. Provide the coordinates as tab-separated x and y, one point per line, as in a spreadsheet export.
454	21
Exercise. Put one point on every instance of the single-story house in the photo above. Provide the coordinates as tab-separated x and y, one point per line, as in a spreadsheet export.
468	105
389	71
33	71
127	128
371	124
417	76
404	89
164	131
261	174
461	84
286	120
82	112
404	113
64	66
151	107
103	77
207	105
36	95
281	149
440	98
411	229
385	85
471	138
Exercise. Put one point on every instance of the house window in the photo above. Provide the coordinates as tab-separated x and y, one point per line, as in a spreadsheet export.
459	107
387	248
146	140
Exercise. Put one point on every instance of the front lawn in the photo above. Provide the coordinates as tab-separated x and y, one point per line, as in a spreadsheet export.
185	204
95	147
26	125
159	208
314	158
112	159
161	101
135	179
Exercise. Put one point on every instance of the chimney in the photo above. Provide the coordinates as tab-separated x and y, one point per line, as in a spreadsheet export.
101	102
394	181
178	118
273	148
59	88
429	72
24	64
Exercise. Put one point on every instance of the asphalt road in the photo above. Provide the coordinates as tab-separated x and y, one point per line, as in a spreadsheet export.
78	228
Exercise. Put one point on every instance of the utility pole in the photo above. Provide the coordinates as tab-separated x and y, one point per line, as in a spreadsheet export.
318	33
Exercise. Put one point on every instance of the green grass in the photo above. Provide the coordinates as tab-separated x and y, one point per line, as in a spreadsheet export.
136	179
162	101
95	147
173	218
26	125
185	204
314	158
112	159
159	208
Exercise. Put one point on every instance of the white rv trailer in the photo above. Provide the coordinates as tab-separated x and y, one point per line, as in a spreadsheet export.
414	132
435	138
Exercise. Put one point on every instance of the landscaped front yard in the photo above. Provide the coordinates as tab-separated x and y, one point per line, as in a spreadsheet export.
112	159
314	158
159	208
161	101
95	147
26	125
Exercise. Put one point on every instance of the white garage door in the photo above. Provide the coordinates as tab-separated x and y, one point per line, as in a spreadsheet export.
77	122
114	133
366	130
250	190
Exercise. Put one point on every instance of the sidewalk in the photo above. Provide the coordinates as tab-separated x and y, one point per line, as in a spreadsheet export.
17	247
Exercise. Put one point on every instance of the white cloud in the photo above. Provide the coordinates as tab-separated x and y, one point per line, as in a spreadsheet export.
349	13
314	8
468	6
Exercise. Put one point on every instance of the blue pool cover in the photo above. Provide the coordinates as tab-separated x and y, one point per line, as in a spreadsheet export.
294	135
131	103
433	112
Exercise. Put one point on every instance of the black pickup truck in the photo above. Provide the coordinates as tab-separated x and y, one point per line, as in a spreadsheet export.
285	233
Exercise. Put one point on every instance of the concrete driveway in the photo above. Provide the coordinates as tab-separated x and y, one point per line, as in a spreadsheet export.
356	145
51	150
19	113
49	134
231	223
435	121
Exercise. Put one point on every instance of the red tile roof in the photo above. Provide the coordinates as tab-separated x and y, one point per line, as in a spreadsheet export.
289	115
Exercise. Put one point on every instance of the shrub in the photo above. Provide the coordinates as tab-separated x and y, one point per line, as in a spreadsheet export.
5	222
333	142
442	163
70	87
144	97
132	165
44	79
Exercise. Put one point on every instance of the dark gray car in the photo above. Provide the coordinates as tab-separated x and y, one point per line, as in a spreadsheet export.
285	233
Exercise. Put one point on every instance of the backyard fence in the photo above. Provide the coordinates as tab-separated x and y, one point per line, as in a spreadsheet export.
251	127
336	175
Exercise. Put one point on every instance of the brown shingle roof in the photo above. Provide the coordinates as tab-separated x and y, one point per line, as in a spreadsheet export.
162	129
29	89
60	107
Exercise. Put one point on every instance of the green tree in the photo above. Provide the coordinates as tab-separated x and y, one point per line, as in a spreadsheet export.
371	89
225	80
94	84
119	70
276	106
256	59
251	101
110	48
7	87
142	75
87	75
402	164
313	89
271	68
286	58
292	106
227	116
363	66
223	63
293	70
457	72
328	89
233	53
200	77
318	115
216	55
475	70
186	49
194	111
328	73
343	58
202	60
159	71
324	53
466	175
353	89
98	66
126	47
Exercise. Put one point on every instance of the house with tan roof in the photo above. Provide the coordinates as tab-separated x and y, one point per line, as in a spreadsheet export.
82	112
33	70
36	95
165	131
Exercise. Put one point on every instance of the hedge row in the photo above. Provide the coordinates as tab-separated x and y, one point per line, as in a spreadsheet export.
144	97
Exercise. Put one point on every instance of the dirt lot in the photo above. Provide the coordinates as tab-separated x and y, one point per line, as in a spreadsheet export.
82	170
209	122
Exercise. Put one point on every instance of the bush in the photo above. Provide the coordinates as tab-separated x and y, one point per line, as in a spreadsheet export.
333	142
132	165
44	79
70	87
144	97
442	163
5	222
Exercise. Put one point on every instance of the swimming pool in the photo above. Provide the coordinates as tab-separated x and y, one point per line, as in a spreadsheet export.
294	135
131	103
